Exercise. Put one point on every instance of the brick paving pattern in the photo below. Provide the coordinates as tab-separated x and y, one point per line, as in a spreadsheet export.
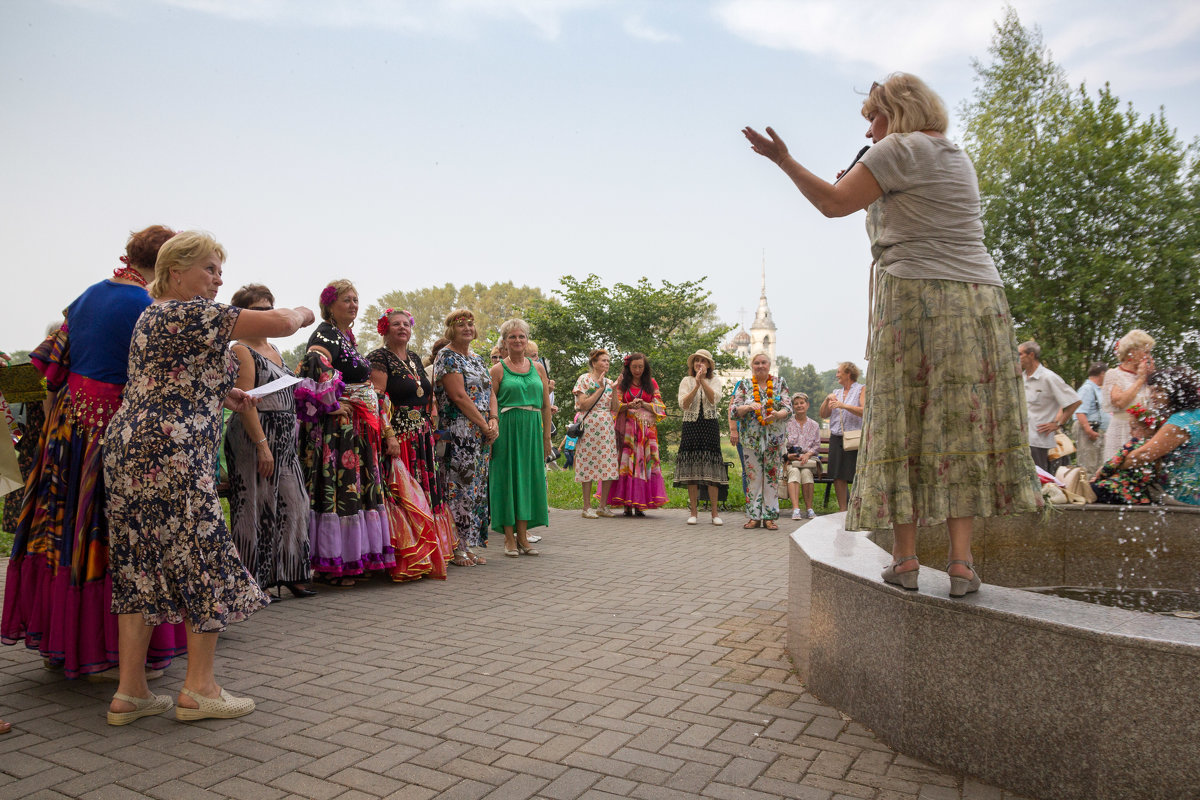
636	658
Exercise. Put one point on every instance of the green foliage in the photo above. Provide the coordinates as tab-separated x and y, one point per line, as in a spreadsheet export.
803	379
1089	210
294	356
668	323
492	304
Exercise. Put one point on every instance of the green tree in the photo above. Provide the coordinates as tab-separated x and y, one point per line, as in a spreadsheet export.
1089	210
491	304
668	323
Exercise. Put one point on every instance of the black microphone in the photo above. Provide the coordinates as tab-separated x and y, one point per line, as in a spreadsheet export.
852	163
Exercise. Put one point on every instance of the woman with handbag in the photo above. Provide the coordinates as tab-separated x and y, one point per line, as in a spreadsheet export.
843	408
945	436
761	403
596	448
699	461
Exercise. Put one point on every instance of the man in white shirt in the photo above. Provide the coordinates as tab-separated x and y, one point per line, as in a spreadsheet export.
1049	399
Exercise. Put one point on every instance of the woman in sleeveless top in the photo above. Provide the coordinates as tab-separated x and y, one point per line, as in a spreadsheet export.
843	407
268	505
639	406
517	488
422	528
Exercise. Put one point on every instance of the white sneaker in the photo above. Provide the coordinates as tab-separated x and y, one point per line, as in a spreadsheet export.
811	514
796	514
691	520
533	539
718	521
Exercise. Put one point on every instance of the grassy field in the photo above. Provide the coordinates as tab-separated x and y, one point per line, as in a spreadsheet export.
565	493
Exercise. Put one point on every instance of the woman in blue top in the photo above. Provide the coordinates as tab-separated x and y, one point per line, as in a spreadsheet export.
1177	442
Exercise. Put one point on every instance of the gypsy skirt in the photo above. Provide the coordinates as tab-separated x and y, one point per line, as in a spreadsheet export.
944	431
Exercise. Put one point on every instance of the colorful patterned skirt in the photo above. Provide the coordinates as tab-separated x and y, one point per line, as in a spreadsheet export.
944	431
348	523
640	481
422	529
58	591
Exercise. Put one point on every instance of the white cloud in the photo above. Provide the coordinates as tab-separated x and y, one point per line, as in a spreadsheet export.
636	27
436	17
1146	42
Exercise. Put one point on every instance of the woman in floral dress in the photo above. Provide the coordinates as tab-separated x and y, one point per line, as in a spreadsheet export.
945	431
596	456
761	402
268	506
422	528
173	559
638	406
58	595
341	439
467	408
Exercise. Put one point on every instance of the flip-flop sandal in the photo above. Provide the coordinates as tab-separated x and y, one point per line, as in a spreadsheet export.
751	525
771	526
142	707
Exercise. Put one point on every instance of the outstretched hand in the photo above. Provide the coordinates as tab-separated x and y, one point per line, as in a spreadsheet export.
772	148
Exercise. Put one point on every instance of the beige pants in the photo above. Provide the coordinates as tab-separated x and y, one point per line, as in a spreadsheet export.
801	475
1088	454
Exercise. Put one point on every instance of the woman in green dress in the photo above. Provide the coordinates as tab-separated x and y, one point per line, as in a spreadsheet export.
517	483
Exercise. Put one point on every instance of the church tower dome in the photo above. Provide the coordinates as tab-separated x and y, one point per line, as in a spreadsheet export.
763	330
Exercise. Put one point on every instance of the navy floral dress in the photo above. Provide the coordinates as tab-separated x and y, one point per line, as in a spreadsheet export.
171	555
466	462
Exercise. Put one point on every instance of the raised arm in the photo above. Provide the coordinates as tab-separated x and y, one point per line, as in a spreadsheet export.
273	324
855	191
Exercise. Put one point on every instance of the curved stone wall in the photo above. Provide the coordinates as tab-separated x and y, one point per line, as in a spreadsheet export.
1044	696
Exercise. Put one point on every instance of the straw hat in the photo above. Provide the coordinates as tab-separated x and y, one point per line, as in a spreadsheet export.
701	353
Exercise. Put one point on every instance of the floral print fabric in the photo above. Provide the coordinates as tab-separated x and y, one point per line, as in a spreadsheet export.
945	427
467	457
640	482
171	555
763	447
596	451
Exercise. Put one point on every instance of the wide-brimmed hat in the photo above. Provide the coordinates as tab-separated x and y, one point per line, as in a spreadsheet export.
701	353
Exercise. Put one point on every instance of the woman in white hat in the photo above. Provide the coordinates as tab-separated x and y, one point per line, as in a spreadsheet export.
699	462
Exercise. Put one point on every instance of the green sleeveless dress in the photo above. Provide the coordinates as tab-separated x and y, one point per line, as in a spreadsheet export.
517	480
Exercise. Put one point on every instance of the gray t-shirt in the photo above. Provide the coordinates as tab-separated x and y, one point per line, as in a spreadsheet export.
927	223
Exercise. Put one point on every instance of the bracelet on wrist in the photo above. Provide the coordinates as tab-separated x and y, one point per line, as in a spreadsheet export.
260	441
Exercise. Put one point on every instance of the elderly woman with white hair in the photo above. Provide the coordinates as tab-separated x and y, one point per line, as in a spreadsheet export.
762	404
1125	385
517	487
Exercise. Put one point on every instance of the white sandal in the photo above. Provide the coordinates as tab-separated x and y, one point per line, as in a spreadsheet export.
142	707
224	707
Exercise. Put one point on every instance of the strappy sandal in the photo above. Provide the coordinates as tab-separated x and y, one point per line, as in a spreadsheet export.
906	579
142	707
751	525
770	525
462	559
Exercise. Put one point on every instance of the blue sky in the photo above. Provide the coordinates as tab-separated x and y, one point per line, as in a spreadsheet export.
407	144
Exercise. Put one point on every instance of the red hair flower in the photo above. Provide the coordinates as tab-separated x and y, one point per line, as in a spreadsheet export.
328	296
384	322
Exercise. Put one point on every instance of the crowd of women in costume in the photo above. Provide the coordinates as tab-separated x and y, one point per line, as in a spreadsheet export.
354	465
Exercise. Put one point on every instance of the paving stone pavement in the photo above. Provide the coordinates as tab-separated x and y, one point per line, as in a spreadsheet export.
637	658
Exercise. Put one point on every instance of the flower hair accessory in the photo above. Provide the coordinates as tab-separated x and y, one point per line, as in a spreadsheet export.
384	322
328	296
625	360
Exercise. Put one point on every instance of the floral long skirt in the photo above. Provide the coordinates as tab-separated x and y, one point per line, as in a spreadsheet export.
944	433
640	483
